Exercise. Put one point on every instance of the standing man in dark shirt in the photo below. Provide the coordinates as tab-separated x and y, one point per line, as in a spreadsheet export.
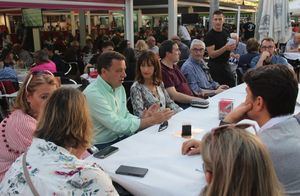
219	51
248	29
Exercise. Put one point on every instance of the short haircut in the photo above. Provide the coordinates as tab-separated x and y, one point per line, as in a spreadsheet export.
65	120
218	12
105	59
197	42
149	58
108	43
277	85
252	45
269	39
41	56
166	46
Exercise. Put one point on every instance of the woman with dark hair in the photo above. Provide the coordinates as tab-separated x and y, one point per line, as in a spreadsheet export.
125	49
148	88
52	164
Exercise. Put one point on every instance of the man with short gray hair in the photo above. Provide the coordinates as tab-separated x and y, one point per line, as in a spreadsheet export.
151	41
197	73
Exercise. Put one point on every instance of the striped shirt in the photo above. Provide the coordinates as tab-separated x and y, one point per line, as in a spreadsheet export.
16	135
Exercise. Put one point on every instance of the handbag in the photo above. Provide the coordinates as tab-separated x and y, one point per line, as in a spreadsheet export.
27	177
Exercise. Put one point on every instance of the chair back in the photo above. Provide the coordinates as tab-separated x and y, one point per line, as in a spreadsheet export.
7	87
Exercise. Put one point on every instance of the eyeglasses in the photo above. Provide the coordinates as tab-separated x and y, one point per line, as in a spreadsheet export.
267	47
35	73
198	49
216	131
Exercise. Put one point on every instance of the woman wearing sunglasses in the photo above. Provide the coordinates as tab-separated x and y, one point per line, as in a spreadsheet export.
235	162
63	134
148	89
18	127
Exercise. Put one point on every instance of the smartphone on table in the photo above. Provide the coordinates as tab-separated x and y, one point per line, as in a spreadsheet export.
131	171
105	152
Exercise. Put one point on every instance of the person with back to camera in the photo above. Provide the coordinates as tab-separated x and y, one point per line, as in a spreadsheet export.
148	89
17	129
53	163
235	163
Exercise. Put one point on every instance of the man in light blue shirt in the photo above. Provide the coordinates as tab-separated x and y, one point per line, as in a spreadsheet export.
197	73
267	56
106	98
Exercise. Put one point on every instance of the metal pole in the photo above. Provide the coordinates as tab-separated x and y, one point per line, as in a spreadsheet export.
82	28
213	6
129	22
238	22
172	18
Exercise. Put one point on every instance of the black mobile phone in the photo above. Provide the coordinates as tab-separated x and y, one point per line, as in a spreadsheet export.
105	152
131	171
186	130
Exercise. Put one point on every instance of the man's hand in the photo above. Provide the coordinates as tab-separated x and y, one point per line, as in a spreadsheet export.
221	88
239	113
191	147
265	55
162	116
230	47
148	112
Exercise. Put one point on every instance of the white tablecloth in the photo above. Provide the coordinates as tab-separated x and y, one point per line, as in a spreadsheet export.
292	55
87	77
170	173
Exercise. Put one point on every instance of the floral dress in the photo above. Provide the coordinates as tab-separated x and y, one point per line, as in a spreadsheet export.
54	171
142	98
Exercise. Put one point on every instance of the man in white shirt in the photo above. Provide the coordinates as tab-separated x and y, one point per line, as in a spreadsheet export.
293	44
151	41
271	98
184	34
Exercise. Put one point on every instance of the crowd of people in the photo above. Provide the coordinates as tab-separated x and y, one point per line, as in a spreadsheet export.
46	135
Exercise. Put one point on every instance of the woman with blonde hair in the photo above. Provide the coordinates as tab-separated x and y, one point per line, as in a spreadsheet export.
53	162
17	128
148	89
237	163
140	47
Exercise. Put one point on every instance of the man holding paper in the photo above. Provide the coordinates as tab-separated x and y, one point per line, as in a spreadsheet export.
219	45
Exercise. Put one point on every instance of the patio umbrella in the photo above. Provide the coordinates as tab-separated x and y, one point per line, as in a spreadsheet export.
273	20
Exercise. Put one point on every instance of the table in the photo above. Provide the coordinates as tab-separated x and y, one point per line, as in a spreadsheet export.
87	77
170	173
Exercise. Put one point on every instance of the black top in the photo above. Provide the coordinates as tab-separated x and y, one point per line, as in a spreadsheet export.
249	28
219	39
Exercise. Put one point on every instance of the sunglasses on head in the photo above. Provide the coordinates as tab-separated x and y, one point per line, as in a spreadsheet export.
37	73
